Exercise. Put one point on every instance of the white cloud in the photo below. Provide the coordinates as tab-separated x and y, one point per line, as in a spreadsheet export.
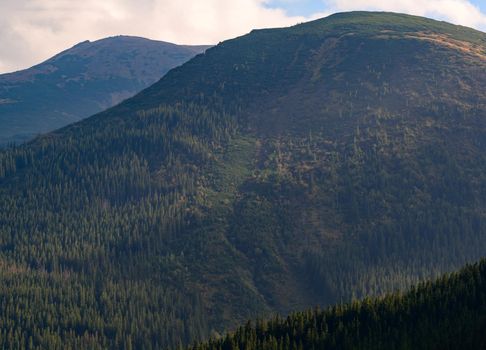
33	30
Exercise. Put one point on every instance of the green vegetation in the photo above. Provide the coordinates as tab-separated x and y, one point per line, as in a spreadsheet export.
378	22
98	257
280	170
447	314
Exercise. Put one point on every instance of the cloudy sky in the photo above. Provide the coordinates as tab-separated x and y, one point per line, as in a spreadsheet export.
34	30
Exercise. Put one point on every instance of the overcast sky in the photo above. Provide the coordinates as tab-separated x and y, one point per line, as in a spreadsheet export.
34	30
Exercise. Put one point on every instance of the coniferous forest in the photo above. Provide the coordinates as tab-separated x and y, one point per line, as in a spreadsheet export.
332	161
449	313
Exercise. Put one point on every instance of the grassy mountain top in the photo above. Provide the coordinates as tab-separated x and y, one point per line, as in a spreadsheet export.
449	313
269	61
360	22
101	59
81	81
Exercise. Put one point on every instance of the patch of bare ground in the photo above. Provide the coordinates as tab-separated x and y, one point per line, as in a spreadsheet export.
444	40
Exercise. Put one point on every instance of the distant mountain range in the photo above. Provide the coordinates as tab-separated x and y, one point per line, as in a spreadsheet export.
286	168
82	81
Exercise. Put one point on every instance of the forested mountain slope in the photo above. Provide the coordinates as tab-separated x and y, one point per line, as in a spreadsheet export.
447	314
279	170
82	81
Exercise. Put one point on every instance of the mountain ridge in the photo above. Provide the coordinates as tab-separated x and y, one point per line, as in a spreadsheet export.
81	81
362	20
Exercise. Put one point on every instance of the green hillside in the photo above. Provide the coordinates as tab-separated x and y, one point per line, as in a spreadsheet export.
447	314
280	170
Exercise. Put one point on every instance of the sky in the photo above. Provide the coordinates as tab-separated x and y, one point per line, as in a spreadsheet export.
33	30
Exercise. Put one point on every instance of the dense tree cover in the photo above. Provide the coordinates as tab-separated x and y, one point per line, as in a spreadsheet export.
283	169
66	311
449	313
95	260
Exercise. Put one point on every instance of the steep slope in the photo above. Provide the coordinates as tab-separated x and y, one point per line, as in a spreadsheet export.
447	314
279	170
81	81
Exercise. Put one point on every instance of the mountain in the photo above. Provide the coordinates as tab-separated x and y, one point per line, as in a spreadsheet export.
82	81
284	169
447	314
